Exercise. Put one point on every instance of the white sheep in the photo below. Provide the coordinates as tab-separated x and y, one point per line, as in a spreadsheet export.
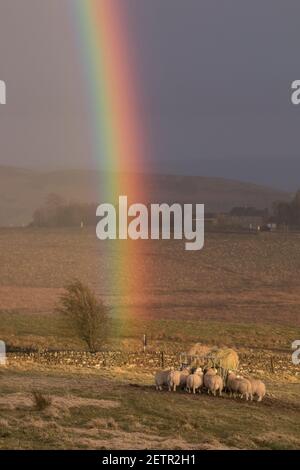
210	371
213	382
178	378
162	378
195	381
238	385
174	380
231	382
184	373
258	388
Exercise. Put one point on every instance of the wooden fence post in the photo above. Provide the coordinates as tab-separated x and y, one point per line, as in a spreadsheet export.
162	359
144	342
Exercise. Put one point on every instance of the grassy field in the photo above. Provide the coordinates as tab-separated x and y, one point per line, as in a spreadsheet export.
51	331
119	408
240	291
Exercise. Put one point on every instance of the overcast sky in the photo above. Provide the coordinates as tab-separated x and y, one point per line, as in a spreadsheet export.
215	77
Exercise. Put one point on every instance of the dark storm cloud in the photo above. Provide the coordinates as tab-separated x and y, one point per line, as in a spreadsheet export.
215	79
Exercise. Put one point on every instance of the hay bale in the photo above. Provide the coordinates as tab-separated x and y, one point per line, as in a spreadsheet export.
199	349
224	358
197	354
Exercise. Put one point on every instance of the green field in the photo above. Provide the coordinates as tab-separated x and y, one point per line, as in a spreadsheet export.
21	330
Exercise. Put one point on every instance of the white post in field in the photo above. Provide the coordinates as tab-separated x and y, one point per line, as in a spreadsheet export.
2	353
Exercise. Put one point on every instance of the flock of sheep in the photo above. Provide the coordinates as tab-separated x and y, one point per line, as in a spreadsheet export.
211	381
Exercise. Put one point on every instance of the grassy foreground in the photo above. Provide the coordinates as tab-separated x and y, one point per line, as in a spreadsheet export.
119	409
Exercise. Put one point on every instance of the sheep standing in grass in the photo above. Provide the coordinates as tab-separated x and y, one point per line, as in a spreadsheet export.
174	380
184	373
258	389
178	378
231	383
195	381
244	387
238	385
162	378
213	382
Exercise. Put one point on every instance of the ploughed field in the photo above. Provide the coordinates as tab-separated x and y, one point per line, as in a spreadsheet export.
241	289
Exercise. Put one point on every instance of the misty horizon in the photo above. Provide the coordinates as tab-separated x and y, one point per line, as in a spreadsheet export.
284	185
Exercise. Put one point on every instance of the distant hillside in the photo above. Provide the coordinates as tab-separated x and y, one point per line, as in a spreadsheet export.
22	191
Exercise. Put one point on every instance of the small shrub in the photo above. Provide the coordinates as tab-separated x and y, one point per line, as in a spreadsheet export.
86	314
41	401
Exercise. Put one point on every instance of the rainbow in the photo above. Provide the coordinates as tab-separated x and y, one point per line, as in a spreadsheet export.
118	141
112	89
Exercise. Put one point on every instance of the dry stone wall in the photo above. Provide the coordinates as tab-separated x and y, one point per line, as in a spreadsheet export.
250	362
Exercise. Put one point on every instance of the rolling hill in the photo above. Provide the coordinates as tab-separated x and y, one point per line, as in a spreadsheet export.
24	190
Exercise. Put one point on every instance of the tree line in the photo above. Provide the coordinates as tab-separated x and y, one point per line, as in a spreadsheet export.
56	212
288	213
